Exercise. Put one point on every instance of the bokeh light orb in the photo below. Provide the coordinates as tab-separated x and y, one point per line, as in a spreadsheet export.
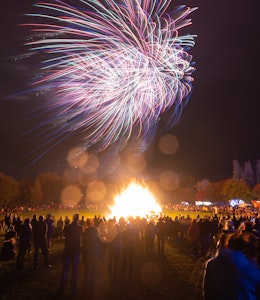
71	196
77	157
91	166
169	180
168	144
73	175
96	191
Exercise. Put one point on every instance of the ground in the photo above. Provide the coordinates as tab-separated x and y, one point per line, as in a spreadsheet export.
176	275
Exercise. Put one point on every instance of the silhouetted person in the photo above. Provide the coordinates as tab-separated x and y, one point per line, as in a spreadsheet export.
231	274
17	224
50	230
128	243
24	243
10	233
34	221
92	254
161	233
66	221
150	232
7	221
205	226
114	250
82	222
194	234
71	254
40	242
7	251
60	225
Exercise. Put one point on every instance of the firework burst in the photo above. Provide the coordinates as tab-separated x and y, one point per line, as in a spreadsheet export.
115	68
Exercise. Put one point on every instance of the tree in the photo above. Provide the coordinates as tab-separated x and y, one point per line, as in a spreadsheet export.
214	191
256	191
25	192
248	173
257	171
36	193
201	195
201	185
9	190
237	189
51	186
237	171
184	194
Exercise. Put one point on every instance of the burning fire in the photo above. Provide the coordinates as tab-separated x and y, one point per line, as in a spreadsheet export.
135	201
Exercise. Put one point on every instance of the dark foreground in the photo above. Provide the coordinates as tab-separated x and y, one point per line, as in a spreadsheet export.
176	275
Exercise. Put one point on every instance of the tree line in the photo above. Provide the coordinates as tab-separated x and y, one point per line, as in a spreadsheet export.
47	188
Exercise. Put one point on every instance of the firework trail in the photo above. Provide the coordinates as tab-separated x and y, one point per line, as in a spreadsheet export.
115	68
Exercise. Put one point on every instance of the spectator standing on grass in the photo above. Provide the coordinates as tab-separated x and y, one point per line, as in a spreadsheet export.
71	254
66	221
17	223
50	229
7	221
206	237
60	225
232	274
92	254
82	222
194	234
128	245
114	250
24	243
161	233
40	242
34	221
150	233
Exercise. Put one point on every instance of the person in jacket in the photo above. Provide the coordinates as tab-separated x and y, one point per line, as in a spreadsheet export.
232	274
194	234
40	242
92	254
71	254
24	243
161	234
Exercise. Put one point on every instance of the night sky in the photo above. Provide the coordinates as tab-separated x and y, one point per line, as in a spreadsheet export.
220	123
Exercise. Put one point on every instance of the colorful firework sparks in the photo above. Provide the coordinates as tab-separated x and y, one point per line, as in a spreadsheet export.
115	67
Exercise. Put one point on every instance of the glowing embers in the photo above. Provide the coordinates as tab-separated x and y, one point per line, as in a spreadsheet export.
135	201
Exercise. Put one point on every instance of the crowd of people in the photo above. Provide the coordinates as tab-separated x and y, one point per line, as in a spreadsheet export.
230	238
23	235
